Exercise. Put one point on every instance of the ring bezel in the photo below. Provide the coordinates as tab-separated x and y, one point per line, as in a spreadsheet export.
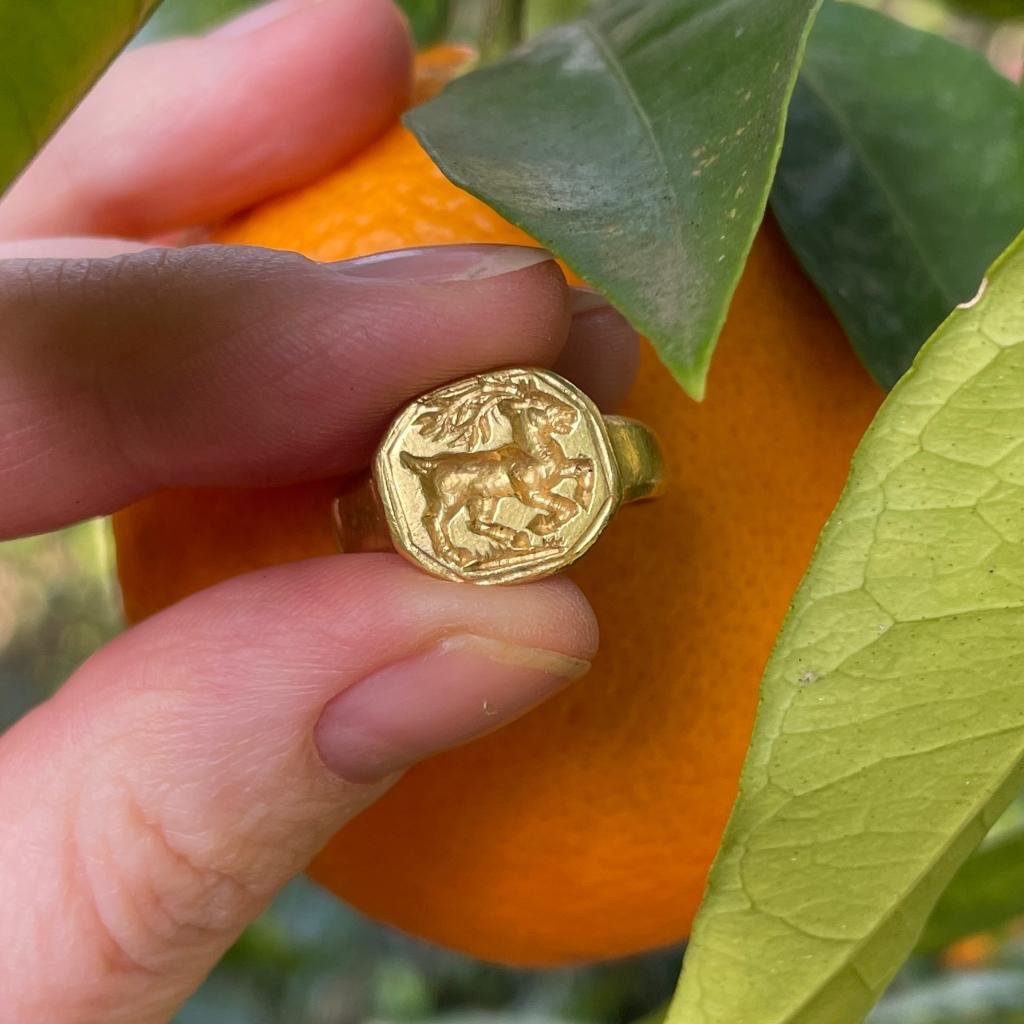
403	502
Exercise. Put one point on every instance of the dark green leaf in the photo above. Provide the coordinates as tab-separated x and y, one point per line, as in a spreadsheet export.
638	143
890	732
985	893
901	179
51	51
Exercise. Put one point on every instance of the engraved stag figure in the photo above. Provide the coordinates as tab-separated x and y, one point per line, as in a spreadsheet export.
529	469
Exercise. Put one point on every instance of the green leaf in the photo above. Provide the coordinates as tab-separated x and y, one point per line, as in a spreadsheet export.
51	51
901	179
890	733
428	19
987	892
638	143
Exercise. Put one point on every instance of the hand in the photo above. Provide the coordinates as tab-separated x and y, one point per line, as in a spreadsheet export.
155	805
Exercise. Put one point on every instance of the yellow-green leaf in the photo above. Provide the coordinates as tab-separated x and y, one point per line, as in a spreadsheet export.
50	53
891	728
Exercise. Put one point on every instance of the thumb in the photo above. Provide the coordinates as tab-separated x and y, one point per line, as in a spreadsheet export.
154	806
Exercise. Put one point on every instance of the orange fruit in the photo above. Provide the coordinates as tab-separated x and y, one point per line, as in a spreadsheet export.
584	830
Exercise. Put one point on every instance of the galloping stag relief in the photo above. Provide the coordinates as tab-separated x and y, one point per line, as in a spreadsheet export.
529	469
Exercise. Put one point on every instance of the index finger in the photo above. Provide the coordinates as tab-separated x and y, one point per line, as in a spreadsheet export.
223	365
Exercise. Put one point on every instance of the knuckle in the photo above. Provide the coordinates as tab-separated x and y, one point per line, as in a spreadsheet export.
151	894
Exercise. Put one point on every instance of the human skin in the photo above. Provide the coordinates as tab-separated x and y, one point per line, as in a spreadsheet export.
187	771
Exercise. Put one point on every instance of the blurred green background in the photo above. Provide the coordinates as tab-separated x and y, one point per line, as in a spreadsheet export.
310	960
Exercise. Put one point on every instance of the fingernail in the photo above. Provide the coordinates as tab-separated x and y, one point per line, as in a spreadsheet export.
438	263
259	17
585	300
459	689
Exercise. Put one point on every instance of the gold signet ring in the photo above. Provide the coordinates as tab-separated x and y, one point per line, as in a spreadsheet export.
503	477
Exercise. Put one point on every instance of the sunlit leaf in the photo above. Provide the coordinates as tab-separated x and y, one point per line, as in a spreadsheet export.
638	143
901	179
890	732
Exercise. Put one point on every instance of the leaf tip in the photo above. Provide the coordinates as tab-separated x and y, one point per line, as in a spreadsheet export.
690	376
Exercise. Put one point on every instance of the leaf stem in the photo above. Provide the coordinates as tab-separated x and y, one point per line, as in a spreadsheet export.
503	27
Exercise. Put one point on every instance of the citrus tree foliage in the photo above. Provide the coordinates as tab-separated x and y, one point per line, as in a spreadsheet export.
640	141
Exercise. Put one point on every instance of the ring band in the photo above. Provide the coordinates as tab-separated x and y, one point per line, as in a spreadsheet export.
503	477
638	457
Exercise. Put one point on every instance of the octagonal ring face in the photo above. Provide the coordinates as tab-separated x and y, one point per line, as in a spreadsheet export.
503	477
